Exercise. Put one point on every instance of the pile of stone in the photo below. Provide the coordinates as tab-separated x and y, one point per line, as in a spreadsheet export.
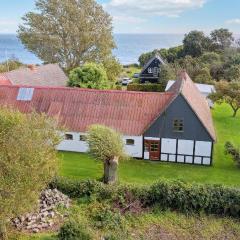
47	213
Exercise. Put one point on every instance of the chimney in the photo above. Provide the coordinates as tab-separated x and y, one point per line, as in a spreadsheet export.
32	67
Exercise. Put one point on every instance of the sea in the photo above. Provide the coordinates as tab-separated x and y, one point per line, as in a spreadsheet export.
129	46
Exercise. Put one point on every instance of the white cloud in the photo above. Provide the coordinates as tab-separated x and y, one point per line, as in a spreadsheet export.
170	8
233	21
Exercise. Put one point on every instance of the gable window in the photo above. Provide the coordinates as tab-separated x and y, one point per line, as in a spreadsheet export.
130	141
149	70
178	125
68	136
83	138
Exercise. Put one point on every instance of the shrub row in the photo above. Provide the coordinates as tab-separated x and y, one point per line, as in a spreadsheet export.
150	87
174	195
234	152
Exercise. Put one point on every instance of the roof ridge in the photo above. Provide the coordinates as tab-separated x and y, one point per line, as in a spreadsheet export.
87	89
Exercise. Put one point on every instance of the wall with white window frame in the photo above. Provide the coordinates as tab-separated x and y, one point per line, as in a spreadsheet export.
76	145
186	151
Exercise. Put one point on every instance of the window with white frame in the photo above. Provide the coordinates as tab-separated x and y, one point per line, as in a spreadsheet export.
149	70
68	136
83	138
130	142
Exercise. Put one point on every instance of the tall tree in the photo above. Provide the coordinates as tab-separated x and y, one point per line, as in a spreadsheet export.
228	92
28	161
90	75
195	43
222	38
69	32
106	145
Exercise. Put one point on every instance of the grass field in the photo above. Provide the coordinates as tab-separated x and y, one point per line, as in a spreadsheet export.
223	171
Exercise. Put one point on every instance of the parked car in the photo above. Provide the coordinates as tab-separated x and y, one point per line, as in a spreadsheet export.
136	75
126	81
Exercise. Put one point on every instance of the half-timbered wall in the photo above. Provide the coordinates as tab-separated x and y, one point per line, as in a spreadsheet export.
193	145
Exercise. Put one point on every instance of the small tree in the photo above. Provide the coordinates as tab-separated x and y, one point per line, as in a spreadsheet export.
203	76
106	145
28	161
90	75
222	38
195	43
228	92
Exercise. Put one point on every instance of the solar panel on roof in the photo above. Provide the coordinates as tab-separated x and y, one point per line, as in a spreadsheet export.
25	94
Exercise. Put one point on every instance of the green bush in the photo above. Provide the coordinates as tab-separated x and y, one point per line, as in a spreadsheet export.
73	230
174	195
234	152
195	198
75	188
104	216
146	87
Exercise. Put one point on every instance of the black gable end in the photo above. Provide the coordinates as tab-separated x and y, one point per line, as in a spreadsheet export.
151	70
178	110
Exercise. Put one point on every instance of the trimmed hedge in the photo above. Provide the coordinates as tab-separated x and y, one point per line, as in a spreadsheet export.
174	195
146	87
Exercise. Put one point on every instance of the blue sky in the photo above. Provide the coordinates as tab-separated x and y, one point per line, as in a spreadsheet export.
147	16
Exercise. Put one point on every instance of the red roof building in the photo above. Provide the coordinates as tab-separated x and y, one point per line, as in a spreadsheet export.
174	126
44	75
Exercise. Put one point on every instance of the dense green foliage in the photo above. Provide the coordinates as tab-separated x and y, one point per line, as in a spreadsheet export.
233	151
68	32
147	87
175	195
106	145
90	75
228	93
104	142
74	230
28	161
10	65
205	58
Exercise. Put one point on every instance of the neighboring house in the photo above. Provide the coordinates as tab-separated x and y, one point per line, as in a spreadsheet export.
175	126
204	89
151	70
44	75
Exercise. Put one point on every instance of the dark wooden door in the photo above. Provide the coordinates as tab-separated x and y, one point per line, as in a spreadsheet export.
153	147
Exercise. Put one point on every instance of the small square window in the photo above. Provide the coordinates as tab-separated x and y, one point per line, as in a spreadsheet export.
83	138
68	137
130	142
178	125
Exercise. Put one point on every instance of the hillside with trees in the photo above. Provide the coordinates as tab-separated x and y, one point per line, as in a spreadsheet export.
205	58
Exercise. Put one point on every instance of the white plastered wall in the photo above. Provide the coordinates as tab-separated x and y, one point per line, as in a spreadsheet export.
76	145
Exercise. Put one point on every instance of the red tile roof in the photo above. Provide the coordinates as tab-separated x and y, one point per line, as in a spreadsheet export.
44	75
128	112
4	80
197	102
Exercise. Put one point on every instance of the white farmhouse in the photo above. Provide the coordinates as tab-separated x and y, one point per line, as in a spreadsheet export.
175	126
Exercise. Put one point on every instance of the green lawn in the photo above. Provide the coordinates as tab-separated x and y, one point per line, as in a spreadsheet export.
143	172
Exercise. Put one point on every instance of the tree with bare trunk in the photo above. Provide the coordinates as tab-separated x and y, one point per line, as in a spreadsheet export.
106	145
228	92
